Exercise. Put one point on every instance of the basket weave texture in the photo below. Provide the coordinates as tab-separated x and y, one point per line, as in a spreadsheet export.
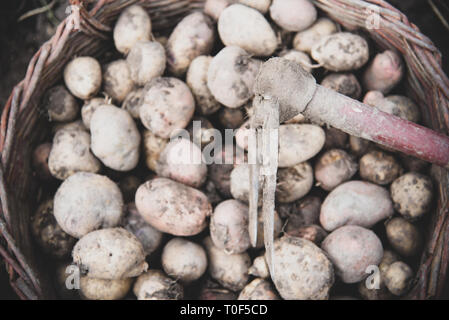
22	125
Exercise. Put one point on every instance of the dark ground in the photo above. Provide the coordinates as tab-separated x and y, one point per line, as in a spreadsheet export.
20	40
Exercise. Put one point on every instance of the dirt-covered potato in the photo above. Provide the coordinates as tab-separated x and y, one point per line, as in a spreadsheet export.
110	254
231	76
172	207
70	153
404	237
260	5
230	270
149	237
85	202
104	289
146	61
153	147
302	270
412	195
333	168
342	51
259	268
352	249
247	28
155	285
301	213
293	15
132	102
115	138
182	161
240	185
184	260
299	143
192	37
384	72
117	81
388	258
214	8
397	105
398	278
242	135
167	105
197	81
231	118
48	234
133	25
83	77
357	203
358	146
368	293
40	161
60	104
229	226
213	291
294	182
313	233
258	289
305	40
379	167
344	83
77	125
201	132
299	57
88	109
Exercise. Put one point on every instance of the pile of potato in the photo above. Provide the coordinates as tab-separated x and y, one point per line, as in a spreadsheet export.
141	219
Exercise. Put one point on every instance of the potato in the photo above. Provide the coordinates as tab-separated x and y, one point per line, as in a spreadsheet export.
277	229
355	203
359	146
115	138
146	61
201	132
85	202
335	138
149	237
192	37
344	83
302	212
82	76
293	15
155	285
379	167
384	72
213	291
299	143
352	249
258	289
231	76
341	51
88	109
48	234
231	118
75	125
101	289
214	8
229	226
240	185
404	237
242	135
132	103
305	40
70	153
247	28
399	106
299	57
133	25
259	268
153	146
184	260
398	278
182	161
374	294
110	254
230	270
172	207
60	105
387	260
117	81
296	119
313	233
197	81
303	272
412	195
333	168
40	161
167	105
293	183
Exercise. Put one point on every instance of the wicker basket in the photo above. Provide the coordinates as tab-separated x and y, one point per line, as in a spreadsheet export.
22	127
